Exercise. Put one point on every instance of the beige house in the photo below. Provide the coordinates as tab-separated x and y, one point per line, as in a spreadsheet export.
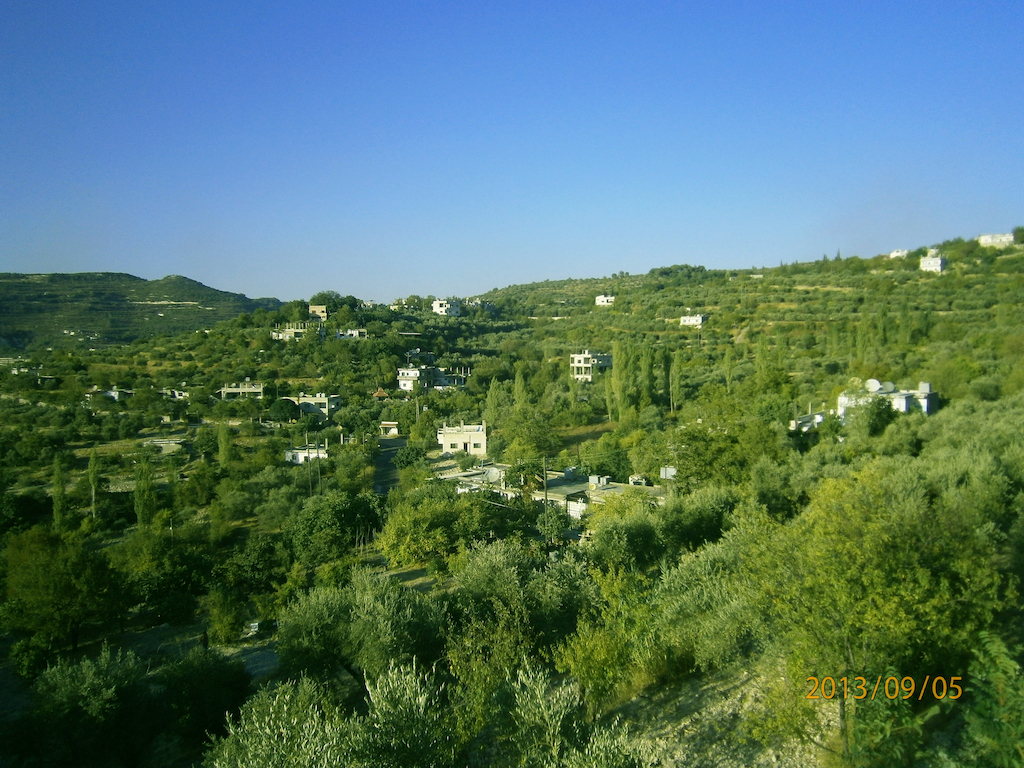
471	438
319	310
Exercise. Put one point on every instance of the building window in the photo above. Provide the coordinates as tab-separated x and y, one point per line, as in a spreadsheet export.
476	445
453	446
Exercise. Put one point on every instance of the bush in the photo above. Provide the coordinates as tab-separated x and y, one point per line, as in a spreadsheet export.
407	456
199	689
89	713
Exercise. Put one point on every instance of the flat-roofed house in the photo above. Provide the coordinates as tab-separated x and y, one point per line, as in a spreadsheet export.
319	404
471	438
243	389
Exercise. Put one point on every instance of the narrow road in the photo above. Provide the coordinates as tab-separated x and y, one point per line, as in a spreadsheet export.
385	472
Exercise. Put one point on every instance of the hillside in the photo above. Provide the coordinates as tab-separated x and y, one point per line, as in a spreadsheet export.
98	308
735	591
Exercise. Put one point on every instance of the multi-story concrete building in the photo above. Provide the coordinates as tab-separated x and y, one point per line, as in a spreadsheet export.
471	438
244	389
319	310
429	377
584	365
933	262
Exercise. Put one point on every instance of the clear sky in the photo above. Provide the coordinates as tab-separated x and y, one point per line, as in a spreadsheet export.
382	149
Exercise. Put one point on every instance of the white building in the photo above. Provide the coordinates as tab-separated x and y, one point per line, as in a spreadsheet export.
296	331
564	489
604	301
903	400
584	365
448	307
933	262
471	438
352	333
898	254
995	241
319	310
693	321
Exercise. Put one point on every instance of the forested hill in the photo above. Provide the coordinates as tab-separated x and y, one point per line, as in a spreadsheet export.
89	309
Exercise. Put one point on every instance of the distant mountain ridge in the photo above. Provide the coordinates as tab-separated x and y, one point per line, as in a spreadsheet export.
98	308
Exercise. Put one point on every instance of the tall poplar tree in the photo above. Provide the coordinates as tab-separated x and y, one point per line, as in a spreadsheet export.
145	492
59	499
94	479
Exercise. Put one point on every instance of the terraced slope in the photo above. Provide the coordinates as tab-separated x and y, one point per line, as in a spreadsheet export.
91	309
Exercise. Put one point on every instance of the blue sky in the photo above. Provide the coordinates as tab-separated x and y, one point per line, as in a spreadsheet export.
385	149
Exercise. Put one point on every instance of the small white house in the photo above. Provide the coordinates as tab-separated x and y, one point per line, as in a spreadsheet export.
604	301
305	453
692	321
389	429
898	254
471	438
